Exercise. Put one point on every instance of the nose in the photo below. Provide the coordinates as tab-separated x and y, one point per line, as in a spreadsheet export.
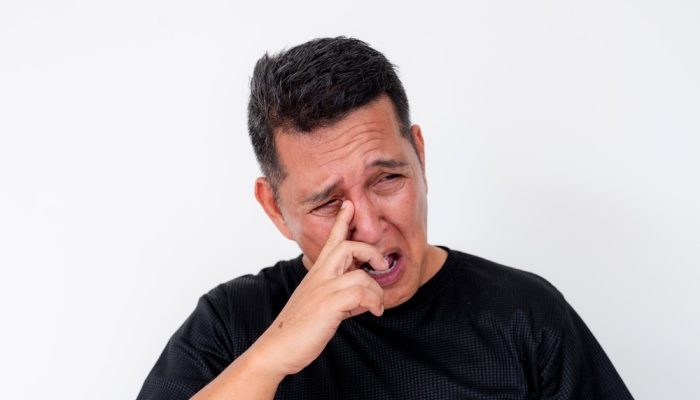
367	224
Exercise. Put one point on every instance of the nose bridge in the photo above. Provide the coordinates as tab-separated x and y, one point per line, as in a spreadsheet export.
366	225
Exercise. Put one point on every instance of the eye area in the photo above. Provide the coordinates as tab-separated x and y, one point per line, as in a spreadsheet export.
329	208
390	183
391	177
385	185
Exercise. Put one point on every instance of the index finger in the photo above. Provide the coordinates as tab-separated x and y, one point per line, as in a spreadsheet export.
339	232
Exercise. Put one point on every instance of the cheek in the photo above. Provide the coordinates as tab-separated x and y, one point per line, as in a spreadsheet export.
408	211
314	233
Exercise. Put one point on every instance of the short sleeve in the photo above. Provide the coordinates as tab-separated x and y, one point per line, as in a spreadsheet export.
573	365
196	354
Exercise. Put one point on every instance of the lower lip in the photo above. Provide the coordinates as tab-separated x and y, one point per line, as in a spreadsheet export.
391	277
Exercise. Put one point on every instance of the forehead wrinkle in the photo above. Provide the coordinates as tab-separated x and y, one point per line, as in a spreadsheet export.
339	153
356	133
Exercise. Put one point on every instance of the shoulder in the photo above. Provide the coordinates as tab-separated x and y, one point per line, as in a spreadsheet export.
507	292
279	278
525	314
271	284
247	304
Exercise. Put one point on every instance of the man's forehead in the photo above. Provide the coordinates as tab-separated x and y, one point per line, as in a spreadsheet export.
309	154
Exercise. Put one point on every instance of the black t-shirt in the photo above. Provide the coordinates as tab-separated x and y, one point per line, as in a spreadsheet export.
476	330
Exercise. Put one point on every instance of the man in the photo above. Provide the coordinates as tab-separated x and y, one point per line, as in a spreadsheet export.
370	310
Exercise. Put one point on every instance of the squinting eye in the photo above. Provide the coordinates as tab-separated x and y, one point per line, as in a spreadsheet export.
390	183
328	209
391	178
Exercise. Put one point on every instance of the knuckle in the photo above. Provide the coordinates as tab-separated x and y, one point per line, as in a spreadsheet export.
357	293
370	282
344	247
357	275
374	300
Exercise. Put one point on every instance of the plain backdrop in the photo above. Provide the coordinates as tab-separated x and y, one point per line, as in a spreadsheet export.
562	138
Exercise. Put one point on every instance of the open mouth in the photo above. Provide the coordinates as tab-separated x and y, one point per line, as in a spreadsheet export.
391	258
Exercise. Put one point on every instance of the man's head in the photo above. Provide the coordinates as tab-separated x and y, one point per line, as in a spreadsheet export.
316	84
336	128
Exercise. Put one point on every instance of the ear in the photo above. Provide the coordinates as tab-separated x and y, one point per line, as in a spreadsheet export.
420	150
420	145
266	197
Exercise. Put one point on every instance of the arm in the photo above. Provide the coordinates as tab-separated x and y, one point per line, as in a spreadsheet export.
329	293
245	378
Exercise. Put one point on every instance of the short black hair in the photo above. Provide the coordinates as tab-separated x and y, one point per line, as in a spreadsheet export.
316	84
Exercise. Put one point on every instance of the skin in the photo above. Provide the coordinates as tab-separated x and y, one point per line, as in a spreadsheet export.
353	192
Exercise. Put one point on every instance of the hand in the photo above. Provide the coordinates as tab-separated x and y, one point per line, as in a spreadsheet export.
329	293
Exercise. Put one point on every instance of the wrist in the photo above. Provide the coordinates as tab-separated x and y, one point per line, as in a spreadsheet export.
261	363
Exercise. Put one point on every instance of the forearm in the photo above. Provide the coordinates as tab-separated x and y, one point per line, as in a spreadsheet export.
246	378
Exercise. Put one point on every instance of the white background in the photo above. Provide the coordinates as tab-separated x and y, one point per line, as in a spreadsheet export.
562	138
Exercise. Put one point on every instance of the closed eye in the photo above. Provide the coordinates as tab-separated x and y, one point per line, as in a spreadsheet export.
328	209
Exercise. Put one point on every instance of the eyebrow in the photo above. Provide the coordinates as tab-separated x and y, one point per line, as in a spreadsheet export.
388	163
328	190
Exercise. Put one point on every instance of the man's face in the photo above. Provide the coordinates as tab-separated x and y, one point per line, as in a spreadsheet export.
364	159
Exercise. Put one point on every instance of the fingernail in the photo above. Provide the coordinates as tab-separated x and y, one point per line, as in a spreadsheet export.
344	205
